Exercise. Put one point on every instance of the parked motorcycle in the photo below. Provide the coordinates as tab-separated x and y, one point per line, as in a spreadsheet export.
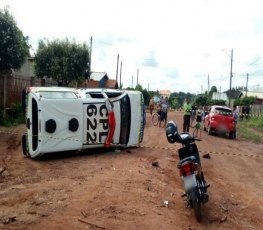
190	168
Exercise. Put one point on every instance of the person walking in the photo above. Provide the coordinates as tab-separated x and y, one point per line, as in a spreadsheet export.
163	110
235	115
187	115
198	125
193	115
151	104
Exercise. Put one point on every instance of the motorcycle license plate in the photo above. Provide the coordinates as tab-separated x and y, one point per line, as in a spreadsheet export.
190	182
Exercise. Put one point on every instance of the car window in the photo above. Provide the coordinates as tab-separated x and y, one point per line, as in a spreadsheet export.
113	94
94	95
223	111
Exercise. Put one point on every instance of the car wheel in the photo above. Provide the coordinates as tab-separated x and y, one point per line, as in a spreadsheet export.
24	145
209	130
231	135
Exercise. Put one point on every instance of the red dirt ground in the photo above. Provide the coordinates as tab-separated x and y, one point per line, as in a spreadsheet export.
122	190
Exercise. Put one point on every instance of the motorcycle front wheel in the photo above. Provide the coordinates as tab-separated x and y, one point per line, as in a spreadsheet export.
197	210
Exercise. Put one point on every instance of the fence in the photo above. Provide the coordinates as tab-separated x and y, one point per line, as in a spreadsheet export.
256	110
11	88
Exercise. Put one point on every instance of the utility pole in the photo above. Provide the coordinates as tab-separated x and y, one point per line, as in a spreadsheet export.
90	55
208	84
148	87
117	68
201	89
137	76
120	74
231	75
132	82
247	85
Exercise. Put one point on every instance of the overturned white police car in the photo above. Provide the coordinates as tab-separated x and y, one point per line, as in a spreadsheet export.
64	119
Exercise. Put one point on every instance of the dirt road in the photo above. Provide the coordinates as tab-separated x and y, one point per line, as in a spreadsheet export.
122	190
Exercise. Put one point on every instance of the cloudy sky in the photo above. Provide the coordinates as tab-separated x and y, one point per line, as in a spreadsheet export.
171	44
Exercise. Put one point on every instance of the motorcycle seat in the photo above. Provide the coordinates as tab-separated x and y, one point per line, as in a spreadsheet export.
187	159
186	137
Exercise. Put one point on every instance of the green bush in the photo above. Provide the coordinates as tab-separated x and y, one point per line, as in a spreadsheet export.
13	117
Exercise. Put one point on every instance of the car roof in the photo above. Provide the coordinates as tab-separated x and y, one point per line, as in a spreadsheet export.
221	107
52	89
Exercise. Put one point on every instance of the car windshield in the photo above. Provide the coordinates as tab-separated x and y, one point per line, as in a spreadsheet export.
223	111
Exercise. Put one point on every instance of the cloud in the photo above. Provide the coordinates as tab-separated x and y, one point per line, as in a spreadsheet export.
150	60
174	44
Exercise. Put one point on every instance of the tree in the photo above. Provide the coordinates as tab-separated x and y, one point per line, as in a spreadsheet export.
201	100
213	90
14	46
177	99
144	92
216	102
146	97
129	88
152	93
62	60
173	102
249	100
245	101
139	87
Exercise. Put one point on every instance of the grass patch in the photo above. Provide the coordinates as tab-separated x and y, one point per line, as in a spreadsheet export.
14	117
251	129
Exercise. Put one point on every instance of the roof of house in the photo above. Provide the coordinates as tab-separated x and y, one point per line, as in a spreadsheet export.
233	94
165	92
109	83
97	76
259	95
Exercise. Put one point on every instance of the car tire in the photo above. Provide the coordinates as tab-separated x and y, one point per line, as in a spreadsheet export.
24	145
209	130
231	135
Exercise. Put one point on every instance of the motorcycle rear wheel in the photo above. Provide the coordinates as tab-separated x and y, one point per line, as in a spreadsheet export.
163	122
197	210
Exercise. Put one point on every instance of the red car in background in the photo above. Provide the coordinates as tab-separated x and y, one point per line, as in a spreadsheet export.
220	120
